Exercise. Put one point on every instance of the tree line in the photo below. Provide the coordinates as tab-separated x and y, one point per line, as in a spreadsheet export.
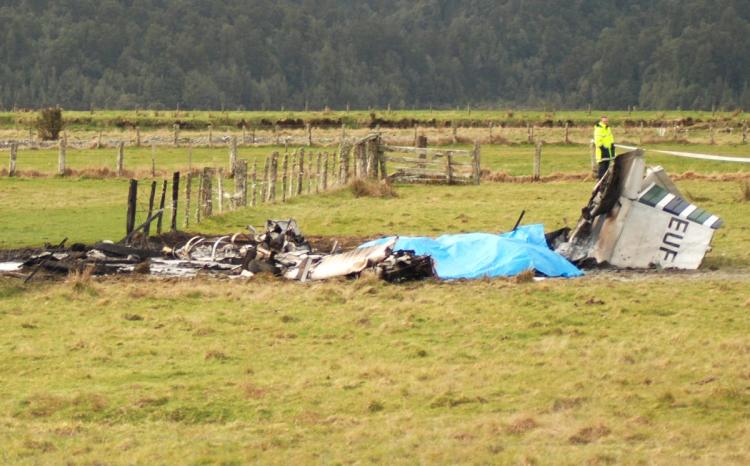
254	54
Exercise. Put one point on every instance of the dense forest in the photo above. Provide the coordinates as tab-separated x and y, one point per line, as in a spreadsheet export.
253	54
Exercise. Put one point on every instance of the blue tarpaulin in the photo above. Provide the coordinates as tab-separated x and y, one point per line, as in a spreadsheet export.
477	255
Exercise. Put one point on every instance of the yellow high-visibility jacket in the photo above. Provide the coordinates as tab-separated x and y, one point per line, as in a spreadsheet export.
603	137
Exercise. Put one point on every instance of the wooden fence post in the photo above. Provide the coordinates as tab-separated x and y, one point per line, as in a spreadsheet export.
355	160
325	172
244	134
175	198
138	138
744	132
476	163
255	181
162	200
153	160
335	162
210	136
99	140
284	176
449	167
416	130
308	127
340	167
188	188
220	189
317	174
373	158
711	137
454	133
176	132
120	157
252	139
537	162
381	159
240	184
343	132
490	128
264	184
301	172
199	199
61	156
292	175
151	196
274	176
132	198
208	194
567	135
232	156
364	165
276	134
336	167
309	172
345	152
13	155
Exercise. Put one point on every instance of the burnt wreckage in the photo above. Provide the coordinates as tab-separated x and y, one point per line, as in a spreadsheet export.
280	250
636	218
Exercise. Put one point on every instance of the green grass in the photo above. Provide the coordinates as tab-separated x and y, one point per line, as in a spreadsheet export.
513	159
48	209
597	370
200	119
612	368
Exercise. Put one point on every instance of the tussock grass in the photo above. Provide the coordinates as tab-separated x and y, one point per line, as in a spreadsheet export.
361	187
80	280
744	191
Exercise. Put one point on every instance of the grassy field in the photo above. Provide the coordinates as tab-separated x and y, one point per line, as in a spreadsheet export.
601	370
355	118
612	368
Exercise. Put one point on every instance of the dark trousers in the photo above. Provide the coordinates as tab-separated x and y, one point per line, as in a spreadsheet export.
603	166
607	153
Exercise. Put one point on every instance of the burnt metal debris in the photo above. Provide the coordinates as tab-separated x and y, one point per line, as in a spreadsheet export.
636	218
280	249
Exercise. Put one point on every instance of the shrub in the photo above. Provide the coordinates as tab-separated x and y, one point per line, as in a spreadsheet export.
49	125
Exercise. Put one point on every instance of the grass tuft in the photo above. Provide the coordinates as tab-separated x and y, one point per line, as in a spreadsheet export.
252	391
744	191
527	276
372	188
215	355
80	279
521	426
589	434
375	406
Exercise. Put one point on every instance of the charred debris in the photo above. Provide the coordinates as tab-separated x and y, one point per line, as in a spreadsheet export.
635	219
280	249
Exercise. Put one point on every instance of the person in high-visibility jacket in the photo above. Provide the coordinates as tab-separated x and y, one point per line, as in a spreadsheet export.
605	145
